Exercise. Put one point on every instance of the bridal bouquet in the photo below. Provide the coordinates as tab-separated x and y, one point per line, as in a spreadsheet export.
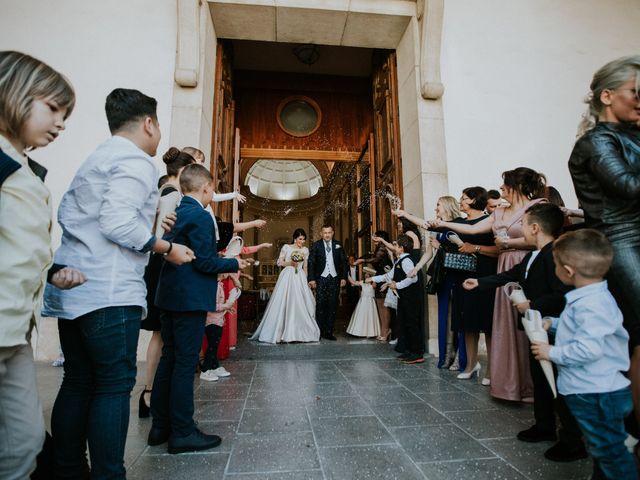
297	257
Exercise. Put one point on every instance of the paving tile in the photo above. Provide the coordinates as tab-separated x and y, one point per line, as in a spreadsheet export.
338	407
490	469
408	414
454	401
429	385
299	475
372	380
273	453
386	395
408	373
488	424
439	442
217	391
216	411
271	420
185	466
378	462
276	398
528	458
331	432
322	390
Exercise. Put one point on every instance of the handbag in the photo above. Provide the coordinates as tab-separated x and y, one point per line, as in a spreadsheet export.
435	273
460	261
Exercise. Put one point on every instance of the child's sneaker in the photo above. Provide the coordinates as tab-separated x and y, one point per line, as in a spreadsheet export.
209	376
58	362
221	372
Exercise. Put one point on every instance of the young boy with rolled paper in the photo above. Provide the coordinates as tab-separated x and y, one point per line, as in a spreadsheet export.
544	292
592	352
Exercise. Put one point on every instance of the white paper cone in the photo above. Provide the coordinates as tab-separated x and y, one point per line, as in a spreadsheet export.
234	294
454	238
234	247
532	322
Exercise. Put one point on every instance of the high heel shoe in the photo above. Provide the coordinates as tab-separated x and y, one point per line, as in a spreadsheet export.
384	338
468	375
143	409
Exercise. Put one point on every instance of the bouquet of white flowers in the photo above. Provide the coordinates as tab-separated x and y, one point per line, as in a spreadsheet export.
297	257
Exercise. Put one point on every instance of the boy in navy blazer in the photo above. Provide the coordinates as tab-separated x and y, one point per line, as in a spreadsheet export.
541	225
185	294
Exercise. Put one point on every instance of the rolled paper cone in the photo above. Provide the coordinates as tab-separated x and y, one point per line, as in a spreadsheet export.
369	270
234	294
256	263
532	322
517	296
454	238
234	248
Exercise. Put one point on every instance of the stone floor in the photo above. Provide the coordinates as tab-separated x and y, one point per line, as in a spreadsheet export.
341	410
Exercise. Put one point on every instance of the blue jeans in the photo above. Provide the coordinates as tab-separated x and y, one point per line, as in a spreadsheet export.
93	402
172	395
600	416
445	294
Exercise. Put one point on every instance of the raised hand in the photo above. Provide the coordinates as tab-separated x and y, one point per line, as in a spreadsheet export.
241	198
169	221
259	223
180	254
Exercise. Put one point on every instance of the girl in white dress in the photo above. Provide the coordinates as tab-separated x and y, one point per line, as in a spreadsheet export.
290	314
364	320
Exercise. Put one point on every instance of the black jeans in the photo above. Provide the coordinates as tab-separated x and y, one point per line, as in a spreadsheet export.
214	334
93	402
172	395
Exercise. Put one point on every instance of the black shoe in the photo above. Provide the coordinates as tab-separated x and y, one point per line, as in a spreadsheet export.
193	443
412	359
330	337
402	356
533	435
157	436
143	409
561	452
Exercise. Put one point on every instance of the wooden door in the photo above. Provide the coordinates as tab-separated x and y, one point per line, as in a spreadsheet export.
222	148
387	161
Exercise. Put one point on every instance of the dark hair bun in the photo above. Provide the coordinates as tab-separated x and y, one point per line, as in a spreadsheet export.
171	155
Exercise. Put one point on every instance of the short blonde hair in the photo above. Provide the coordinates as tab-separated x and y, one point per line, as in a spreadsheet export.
24	79
451	207
587	251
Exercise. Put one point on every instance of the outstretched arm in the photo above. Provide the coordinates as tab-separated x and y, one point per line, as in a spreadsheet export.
483	226
412	218
242	226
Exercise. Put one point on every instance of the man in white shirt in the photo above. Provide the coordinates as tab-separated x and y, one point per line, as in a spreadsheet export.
327	273
106	218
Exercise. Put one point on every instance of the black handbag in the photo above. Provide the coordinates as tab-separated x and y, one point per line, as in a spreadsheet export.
460	261
435	272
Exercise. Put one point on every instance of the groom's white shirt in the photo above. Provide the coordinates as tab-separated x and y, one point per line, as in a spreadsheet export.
329	267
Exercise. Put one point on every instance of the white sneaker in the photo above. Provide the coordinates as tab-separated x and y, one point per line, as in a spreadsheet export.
58	362
209	376
221	372
393	342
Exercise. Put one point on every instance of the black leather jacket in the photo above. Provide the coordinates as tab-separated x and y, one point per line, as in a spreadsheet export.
605	169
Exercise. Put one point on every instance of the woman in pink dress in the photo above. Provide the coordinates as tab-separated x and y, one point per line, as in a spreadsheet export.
509	377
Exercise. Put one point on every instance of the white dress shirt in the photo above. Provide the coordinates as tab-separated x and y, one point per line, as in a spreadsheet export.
407	265
329	266
106	218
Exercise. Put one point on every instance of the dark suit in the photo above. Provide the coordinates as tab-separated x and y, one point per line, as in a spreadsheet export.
327	288
546	294
185	294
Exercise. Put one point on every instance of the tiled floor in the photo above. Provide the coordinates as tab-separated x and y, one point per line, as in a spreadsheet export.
345	410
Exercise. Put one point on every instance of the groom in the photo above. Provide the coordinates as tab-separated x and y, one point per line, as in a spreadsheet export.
327	273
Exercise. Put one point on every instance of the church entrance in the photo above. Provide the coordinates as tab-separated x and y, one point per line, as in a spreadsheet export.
310	135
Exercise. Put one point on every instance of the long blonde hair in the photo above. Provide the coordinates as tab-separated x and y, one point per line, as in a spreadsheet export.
24	79
609	77
450	206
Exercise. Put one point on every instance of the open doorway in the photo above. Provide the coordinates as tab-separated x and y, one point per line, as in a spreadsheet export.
310	135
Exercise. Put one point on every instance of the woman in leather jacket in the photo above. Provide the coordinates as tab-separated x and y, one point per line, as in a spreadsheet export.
605	169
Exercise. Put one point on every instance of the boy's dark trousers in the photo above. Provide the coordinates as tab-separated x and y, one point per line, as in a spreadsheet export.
172	395
545	408
214	334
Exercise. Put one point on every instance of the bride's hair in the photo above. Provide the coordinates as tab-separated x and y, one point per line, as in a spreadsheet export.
299	232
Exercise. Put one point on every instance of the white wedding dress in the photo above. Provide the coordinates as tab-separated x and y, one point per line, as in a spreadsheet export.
365	321
290	314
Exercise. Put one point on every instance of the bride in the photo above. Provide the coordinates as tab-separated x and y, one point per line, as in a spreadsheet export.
290	314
